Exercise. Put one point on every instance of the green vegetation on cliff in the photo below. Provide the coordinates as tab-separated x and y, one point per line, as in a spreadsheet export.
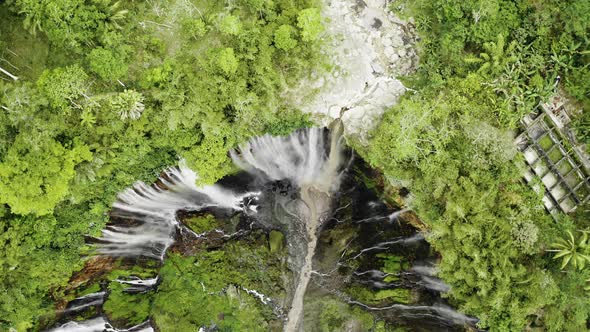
484	65
212	287
111	92
97	94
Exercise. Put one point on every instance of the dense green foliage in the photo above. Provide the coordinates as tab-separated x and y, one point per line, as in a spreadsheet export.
112	92
327	314
121	306
484	64
210	289
519	48
35	253
572	251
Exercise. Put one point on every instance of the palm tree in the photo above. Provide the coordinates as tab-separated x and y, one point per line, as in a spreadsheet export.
495	58
88	119
34	12
571	250
115	15
128	104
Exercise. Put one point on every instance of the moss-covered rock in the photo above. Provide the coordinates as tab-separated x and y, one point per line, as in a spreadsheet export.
276	241
380	297
210	288
125	310
327	314
201	224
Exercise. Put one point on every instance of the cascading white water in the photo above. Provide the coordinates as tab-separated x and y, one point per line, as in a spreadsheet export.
153	212
436	311
427	274
86	301
386	245
305	160
302	158
99	324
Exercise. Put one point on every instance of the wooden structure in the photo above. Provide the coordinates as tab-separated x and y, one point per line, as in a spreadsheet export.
554	156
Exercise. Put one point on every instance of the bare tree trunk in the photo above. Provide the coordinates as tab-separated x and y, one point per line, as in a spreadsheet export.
7	73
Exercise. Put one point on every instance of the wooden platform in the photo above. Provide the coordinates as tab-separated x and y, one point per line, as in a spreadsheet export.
555	158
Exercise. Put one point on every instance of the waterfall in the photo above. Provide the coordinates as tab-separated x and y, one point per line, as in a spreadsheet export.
138	285
303	158
86	301
99	324
313	165
296	181
309	159
151	211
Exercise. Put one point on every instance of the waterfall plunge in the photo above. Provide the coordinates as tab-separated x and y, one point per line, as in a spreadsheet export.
306	159
309	160
99	324
302	158
152	211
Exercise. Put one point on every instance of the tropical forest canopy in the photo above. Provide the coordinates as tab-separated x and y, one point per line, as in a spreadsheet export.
484	65
111	92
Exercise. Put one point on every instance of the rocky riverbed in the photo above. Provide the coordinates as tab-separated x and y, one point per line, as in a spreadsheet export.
369	48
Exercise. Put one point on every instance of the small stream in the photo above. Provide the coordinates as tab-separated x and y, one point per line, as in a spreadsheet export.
345	247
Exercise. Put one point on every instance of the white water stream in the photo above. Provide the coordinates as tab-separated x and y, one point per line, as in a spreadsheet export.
154	210
304	159
99	324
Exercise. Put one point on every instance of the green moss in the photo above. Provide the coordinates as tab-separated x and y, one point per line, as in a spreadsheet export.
555	154
367	296
564	167
362	176
201	224
276	241
330	315
195	294
399	295
89	290
149	270
392	264
126	309
546	143
208	289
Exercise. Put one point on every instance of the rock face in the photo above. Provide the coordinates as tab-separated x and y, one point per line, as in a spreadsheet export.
369	48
